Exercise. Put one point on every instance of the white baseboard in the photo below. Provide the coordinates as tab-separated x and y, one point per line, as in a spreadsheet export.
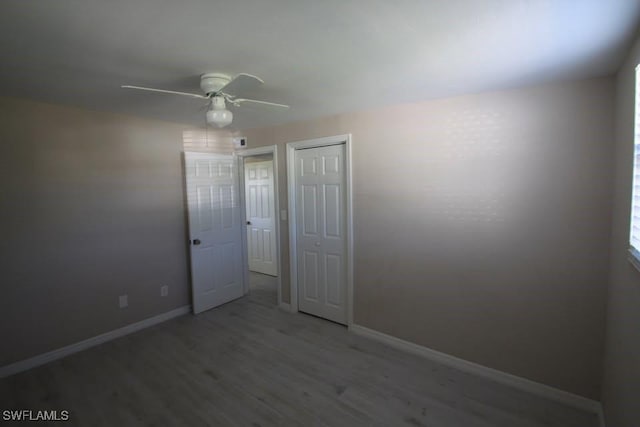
59	353
514	381
285	306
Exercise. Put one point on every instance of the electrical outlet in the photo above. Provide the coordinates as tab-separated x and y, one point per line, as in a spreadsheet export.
123	301
164	290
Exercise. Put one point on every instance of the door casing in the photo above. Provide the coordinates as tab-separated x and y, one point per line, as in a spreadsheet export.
241	154
293	256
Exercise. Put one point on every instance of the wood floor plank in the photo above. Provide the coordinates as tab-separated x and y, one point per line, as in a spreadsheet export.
248	363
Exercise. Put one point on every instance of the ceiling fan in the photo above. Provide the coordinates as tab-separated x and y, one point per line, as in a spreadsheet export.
219	90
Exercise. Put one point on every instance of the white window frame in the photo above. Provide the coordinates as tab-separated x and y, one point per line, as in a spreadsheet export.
634	226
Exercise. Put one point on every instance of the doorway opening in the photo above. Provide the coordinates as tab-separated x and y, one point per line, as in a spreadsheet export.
258	173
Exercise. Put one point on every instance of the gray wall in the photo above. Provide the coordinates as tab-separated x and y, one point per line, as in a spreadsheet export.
91	207
621	397
482	225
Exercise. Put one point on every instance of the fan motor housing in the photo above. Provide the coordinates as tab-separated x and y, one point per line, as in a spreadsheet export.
213	82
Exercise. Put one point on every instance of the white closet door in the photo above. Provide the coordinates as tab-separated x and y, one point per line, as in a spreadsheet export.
260	203
214	228
321	231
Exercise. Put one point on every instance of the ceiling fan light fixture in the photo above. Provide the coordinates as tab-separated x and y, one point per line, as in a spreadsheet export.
220	118
219	115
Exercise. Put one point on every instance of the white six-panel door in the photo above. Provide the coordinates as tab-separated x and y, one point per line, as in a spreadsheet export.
261	238
214	228
320	198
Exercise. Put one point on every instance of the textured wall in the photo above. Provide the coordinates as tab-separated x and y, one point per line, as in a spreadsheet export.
482	225
621	395
92	208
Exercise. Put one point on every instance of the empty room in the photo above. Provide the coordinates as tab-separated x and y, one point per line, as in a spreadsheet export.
320	213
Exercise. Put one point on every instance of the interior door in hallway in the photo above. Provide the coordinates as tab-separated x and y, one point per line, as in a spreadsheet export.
261	223
214	228
321	241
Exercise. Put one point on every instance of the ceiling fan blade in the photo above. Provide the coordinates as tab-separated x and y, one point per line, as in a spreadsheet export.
238	101
242	82
172	92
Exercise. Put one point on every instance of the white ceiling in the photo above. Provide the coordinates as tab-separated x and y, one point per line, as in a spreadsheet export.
319	56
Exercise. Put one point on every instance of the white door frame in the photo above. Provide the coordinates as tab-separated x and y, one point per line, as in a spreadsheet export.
267	149
293	256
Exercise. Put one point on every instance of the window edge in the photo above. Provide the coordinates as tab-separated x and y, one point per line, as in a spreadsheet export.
634	257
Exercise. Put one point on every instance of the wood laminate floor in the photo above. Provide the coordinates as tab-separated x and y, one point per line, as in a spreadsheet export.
248	363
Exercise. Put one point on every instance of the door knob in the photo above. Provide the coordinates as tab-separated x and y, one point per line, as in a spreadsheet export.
196	241
248	222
